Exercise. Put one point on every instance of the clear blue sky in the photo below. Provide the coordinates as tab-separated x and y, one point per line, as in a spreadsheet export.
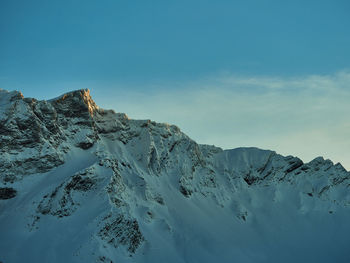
58	41
171	50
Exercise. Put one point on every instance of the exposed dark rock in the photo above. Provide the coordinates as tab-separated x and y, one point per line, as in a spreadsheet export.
293	164
185	191
105	259
305	167
250	179
173	146
159	200
61	201
80	183
7	193
85	145
122	231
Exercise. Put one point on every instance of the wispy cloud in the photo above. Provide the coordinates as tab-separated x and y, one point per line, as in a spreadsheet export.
306	116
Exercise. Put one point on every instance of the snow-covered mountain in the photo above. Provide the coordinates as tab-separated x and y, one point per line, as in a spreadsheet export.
82	184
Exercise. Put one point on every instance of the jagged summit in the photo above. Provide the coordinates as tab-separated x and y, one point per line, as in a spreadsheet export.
79	93
77	99
83	184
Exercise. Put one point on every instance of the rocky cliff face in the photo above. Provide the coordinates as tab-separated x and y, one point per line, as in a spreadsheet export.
83	184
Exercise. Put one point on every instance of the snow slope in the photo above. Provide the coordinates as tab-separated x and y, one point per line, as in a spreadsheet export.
83	184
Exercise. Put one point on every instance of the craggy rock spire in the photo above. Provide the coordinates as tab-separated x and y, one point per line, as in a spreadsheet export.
75	104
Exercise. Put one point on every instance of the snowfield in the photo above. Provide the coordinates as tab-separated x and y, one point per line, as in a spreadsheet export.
82	184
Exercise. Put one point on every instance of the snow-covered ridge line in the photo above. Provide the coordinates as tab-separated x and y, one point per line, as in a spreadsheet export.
139	191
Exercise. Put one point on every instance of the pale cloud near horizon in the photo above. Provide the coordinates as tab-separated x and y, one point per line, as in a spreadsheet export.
306	117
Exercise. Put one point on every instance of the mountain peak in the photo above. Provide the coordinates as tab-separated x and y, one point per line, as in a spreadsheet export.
77	99
135	190
75	93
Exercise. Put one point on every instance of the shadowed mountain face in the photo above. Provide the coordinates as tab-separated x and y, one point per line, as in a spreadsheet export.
83	184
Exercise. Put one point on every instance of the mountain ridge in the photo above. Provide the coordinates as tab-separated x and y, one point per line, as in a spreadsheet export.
139	185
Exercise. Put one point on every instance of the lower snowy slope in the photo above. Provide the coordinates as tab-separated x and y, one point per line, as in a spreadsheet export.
95	186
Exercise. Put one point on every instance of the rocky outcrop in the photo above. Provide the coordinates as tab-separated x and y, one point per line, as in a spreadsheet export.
7	193
120	231
35	135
